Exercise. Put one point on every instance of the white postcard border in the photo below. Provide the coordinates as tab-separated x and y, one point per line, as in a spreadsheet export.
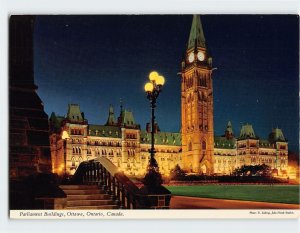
156	214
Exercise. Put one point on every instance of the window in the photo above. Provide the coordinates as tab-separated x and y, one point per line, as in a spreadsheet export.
203	145
73	161
190	146
282	147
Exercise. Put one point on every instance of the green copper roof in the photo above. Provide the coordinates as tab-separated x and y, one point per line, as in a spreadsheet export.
126	118
161	138
247	132
55	121
276	135
104	131
196	37
229	127
263	143
111	116
224	143
74	115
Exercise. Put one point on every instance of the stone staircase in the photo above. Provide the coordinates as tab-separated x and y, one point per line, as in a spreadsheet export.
87	197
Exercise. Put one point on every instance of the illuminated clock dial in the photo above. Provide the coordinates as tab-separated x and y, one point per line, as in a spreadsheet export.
191	57
201	56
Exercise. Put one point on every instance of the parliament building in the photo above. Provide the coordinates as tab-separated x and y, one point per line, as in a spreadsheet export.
195	148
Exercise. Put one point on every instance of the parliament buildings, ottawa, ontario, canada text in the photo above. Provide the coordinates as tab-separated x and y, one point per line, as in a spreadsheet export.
195	149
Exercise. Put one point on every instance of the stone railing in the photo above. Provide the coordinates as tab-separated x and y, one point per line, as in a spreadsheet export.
126	194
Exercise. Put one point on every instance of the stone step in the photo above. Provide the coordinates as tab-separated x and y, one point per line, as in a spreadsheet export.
99	207
83	191
89	203
73	187
71	197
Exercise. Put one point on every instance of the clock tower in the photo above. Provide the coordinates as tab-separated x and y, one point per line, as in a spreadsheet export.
197	103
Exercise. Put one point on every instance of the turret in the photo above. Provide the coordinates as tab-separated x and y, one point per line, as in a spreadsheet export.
247	132
111	117
74	114
229	132
276	136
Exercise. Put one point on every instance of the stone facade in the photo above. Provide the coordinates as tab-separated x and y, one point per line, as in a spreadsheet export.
127	146
247	149
122	141
197	104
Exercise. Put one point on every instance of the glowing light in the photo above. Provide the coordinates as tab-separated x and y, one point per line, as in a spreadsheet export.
149	87
160	80
65	135
153	76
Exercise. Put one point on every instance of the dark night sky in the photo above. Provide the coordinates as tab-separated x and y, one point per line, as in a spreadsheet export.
96	60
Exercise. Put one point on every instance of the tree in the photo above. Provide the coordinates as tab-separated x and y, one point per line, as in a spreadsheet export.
253	170
177	173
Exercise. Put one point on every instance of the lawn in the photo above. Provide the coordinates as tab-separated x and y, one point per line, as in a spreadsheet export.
265	193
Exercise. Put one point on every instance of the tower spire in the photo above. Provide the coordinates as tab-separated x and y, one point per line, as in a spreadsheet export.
229	131
121	105
111	116
196	37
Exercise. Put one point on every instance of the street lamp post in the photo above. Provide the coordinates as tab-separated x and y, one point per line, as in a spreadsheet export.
152	89
64	137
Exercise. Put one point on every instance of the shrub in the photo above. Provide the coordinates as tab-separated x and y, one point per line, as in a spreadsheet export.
177	173
253	170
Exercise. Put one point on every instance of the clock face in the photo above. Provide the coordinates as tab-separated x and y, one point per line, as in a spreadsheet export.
191	57
200	56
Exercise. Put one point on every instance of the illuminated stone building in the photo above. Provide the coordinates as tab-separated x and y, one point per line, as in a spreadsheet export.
232	152
121	140
197	103
127	146
196	149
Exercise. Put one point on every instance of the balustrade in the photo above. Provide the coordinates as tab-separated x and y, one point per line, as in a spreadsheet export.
106	175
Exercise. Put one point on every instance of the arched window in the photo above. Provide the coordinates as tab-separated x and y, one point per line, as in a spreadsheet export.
80	159
190	146
79	150
203	145
73	150
73	161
